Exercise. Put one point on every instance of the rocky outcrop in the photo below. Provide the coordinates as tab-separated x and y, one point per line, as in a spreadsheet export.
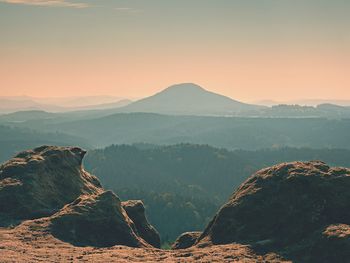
329	244
293	211
49	184
39	182
186	240
95	220
136	212
288	208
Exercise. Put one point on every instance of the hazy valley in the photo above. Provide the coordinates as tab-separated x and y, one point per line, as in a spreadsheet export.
183	152
174	131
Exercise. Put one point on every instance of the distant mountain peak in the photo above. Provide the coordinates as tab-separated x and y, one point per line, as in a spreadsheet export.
182	87
188	99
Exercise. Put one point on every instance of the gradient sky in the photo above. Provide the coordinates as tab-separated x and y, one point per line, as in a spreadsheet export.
246	49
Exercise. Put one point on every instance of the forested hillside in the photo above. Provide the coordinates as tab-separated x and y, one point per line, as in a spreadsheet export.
14	140
227	132
183	185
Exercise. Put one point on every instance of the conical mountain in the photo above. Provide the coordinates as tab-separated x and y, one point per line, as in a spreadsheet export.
189	99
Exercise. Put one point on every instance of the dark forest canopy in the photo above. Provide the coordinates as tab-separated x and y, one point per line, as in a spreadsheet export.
183	185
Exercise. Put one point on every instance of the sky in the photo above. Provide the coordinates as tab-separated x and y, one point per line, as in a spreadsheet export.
245	49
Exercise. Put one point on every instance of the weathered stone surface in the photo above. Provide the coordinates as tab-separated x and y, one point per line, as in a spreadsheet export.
95	220
186	240
279	207
49	183
39	182
136	212
329	244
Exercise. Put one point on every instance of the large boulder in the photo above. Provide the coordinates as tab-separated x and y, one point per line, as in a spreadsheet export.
186	240
95	220
283	206
39	182
48	184
136	212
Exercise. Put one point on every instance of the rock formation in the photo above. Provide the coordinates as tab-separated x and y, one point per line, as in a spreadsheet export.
136	212
328	244
39	182
49	184
293	208
95	220
186	240
296	211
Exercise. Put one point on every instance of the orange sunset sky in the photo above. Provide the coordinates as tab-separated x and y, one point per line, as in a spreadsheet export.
248	50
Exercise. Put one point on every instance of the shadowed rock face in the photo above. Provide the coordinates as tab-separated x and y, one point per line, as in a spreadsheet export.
39	182
186	240
279	207
328	244
48	184
95	220
136	212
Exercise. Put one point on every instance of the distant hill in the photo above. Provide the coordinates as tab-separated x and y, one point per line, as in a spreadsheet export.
79	101
228	132
189	99
181	99
299	111
24	104
15	104
305	102
14	140
111	105
22	116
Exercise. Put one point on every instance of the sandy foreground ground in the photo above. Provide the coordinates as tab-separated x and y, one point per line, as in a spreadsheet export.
30	242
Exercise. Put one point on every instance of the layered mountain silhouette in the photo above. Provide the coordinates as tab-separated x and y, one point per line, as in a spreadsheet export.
189	99
179	99
59	105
